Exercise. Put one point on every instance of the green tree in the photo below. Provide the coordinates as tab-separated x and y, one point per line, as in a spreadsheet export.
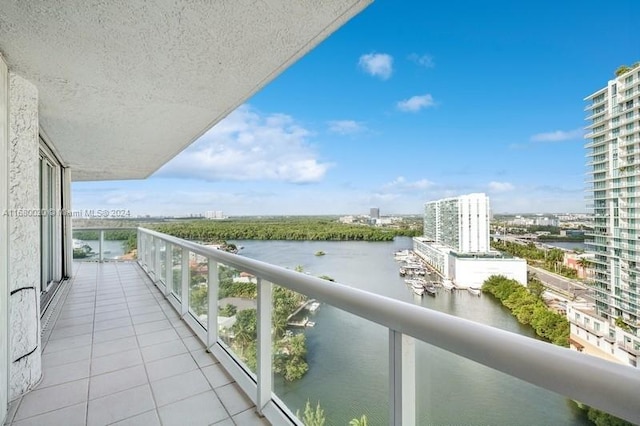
228	310
312	417
362	421
535	287
600	418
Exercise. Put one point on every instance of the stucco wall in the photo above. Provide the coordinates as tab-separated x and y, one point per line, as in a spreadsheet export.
24	238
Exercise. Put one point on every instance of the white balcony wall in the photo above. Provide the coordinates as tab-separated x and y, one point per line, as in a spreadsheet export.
4	240
24	237
473	272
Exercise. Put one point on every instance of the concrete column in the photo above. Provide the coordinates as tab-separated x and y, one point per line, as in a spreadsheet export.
24	238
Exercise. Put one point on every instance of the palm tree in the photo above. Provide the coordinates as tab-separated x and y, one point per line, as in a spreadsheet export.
362	421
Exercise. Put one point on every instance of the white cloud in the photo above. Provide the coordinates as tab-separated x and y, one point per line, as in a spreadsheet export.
400	184
558	136
501	186
346	127
248	145
377	64
416	103
422	60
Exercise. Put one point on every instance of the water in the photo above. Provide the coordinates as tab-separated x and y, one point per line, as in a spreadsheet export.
348	356
111	248
569	245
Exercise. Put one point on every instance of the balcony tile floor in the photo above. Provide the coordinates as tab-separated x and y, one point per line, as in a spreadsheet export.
119	354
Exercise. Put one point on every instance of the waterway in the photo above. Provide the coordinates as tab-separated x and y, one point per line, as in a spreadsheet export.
569	245
348	356
112	249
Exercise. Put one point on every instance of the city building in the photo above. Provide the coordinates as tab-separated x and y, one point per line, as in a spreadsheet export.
612	146
456	242
97	92
461	223
374	213
214	214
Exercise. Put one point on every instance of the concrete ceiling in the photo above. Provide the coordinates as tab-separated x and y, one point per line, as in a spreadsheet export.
125	85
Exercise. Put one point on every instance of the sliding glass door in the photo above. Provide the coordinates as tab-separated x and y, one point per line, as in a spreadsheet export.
51	225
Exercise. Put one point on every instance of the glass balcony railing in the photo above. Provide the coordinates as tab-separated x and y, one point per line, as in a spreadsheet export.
251	315
104	244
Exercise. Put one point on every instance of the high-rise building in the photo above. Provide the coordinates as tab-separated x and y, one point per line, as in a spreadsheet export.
374	213
456	242
460	223
613	150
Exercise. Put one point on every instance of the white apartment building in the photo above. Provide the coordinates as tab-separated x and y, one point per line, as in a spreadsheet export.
461	223
456	242
217	214
613	152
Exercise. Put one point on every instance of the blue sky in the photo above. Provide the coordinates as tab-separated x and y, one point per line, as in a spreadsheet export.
408	102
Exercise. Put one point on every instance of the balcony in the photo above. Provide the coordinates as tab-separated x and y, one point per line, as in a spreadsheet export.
117	351
166	359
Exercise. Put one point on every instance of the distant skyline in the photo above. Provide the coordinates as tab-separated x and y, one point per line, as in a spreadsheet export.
407	103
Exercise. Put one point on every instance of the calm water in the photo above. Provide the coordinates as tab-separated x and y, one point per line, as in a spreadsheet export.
348	356
567	245
112	249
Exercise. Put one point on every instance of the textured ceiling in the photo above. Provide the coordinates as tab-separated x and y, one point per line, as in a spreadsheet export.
125	85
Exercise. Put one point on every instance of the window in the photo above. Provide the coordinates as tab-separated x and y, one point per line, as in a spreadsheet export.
52	224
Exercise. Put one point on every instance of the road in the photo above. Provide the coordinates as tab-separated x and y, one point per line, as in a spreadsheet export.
555	281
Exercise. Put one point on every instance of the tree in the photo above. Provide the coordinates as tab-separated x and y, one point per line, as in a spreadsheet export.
622	69
228	310
245	328
536	288
312	417
362	421
600	418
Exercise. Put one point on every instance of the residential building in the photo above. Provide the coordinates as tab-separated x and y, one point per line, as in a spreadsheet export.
461	223
210	214
613	152
456	242
374	213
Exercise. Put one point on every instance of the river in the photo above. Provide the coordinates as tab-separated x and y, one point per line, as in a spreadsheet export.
348	356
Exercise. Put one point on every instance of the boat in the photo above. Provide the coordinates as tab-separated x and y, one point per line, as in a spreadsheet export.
403	255
313	306
417	289
447	284
320	253
430	289
310	324
474	290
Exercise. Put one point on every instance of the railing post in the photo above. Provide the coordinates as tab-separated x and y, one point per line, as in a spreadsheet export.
168	268
138	245
402	379
212	310
100	243
184	297
156	260
264	344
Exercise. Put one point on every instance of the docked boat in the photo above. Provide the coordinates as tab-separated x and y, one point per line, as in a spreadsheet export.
447	284
313	306
403	255
474	290
430	289
418	289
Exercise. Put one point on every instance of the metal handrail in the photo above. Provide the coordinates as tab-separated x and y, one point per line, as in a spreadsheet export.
599	383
